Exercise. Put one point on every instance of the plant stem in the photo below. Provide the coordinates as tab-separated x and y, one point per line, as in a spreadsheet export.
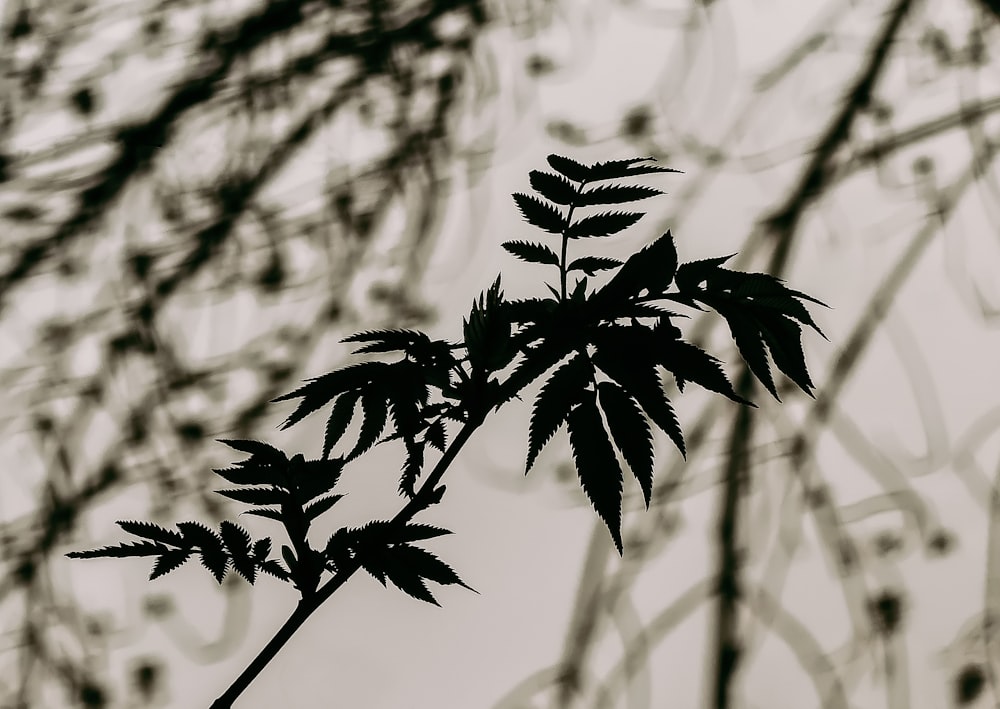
309	604
727	645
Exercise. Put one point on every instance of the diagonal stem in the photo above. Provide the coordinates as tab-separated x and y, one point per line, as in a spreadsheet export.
307	606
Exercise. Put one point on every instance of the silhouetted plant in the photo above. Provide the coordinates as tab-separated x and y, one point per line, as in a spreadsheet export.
617	330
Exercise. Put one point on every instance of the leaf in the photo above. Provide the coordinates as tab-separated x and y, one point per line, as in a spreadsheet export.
597	466
250	474
631	433
787	305
149	530
261	548
408	581
317	507
591	264
651	268
375	410
532	253
259	451
411	467
553	187
624	168
426	565
265	512
552	405
690	363
256	495
389	340
603	224
751	346
414	532
213	556
316	477
540	214
615	194
340	419
536	362
783	339
690	274
237	541
322	390
274	568
435	435
570	168
125	549
168	561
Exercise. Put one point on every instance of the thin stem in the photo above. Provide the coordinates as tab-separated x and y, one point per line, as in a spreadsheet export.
727	645
565	243
424	498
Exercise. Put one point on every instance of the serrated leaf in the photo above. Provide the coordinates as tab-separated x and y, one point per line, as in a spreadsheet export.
554	188
631	433
750	344
212	553
532	253
435	435
787	305
426	565
169	561
237	541
690	274
592	264
316	477
123	550
340	419
249	474
690	363
615	194
536	362
259	451
322	390
256	495
624	168
409	582
148	530
375	411
317	507
265	512
651	268
552	405
261	549
603	224
597	466
414	532
412	466
783	339
274	568
391	340
540	214
570	168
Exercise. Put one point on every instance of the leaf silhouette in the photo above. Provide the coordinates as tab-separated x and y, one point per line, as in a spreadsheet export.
317	507
411	467
375	410
274	568
615	194
256	495
592	264
691	274
596	465
340	419
265	512
148	530
532	253
631	433
553	403
688	362
168	561
603	224
652	268
751	346
237	541
554	188
213	555
783	339
569	168
125	549
414	532
322	390
389	340
315	477
435	435
259	451
540	214
426	565
624	168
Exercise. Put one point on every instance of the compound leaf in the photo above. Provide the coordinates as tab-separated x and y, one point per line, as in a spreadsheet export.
322	390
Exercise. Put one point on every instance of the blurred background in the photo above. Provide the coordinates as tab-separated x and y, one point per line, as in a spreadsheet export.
199	199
